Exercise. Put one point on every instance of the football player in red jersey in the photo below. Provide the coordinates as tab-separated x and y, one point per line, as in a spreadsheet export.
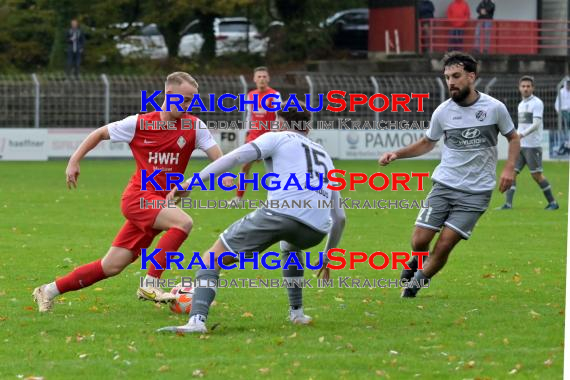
259	121
165	149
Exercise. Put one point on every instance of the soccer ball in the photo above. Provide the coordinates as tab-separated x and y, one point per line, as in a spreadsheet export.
183	302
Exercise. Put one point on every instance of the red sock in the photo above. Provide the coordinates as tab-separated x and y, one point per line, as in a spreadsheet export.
240	193
81	277
170	241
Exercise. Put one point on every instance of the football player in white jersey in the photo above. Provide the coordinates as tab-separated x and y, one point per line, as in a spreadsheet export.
530	112
470	122
288	152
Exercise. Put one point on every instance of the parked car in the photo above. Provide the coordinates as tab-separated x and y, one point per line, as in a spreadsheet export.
141	41
349	28
231	37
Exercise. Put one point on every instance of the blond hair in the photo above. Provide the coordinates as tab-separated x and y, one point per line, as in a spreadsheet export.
179	77
261	68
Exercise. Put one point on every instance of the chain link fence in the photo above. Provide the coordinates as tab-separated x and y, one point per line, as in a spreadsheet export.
51	101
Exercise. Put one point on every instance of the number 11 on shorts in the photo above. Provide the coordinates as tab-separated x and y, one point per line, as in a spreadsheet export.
424	215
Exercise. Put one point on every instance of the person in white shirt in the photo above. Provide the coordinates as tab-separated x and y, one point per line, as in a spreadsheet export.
286	153
530	115
562	105
469	124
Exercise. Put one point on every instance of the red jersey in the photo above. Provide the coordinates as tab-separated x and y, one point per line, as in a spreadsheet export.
166	149
254	117
459	13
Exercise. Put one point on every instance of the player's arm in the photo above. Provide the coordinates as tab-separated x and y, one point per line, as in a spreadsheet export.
508	174
338	217
507	129
206	143
91	141
119	131
533	128
244	154
214	152
420	147
537	113
423	145
263	147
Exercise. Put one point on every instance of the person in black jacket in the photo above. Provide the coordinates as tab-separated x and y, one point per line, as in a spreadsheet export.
75	42
485	10
426	11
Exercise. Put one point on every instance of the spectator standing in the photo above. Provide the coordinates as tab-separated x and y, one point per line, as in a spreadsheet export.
562	105
75	43
426	11
458	14
485	10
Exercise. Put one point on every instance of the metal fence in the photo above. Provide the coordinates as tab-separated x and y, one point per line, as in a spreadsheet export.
529	37
49	101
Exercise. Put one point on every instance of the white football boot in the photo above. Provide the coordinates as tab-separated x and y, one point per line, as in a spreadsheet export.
45	303
298	317
151	293
196	324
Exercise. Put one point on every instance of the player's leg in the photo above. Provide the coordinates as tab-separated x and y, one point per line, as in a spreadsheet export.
428	223
252	233
541	180
447	239
510	193
177	225
255	232
421	240
113	263
293	273
151	221
297	237
534	158
245	169
465	210
205	292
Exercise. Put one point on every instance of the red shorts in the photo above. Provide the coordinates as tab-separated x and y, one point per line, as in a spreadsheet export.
137	232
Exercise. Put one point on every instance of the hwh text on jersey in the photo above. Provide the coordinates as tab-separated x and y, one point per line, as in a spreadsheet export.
165	158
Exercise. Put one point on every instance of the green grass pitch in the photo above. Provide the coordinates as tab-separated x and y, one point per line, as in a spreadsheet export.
496	310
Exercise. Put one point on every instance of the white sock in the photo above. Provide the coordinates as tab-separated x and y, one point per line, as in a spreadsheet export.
51	290
149	281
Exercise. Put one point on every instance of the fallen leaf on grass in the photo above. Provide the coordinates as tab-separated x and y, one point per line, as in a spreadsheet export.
198	373
548	362
164	368
469	364
534	314
263	371
247	314
321	339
